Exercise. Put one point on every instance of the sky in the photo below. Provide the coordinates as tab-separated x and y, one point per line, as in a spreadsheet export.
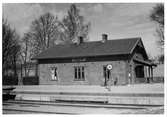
118	20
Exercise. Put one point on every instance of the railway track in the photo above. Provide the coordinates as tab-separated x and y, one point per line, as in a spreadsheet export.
66	107
16	111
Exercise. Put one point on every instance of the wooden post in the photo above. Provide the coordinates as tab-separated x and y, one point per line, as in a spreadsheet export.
145	73
36	69
151	74
21	79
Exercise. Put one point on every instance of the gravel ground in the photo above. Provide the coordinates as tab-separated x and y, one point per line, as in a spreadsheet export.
155	110
148	111
76	110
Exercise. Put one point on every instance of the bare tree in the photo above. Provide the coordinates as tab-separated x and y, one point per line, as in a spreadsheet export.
26	52
157	16
43	32
74	25
11	48
47	29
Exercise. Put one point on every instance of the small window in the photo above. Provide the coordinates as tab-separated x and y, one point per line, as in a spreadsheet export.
54	73
79	73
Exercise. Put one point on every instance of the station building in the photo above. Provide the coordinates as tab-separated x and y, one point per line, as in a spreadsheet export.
104	62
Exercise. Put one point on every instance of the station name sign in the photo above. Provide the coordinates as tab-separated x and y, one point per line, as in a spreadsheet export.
79	60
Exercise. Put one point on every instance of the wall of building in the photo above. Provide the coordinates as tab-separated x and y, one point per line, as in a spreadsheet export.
132	72
93	73
158	73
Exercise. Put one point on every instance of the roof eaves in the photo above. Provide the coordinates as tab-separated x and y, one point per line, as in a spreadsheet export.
114	54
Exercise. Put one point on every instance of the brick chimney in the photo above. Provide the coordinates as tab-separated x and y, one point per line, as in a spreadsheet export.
104	38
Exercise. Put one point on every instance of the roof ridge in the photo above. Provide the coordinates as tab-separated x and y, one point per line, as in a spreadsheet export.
110	40
127	38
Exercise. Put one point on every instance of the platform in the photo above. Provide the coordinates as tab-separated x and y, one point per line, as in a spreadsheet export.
143	94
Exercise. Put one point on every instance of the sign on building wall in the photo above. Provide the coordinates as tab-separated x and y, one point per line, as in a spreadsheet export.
79	60
109	67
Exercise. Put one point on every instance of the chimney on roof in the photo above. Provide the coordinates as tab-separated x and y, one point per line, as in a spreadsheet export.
80	40
104	38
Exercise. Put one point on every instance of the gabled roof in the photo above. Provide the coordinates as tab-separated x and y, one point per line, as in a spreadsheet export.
88	49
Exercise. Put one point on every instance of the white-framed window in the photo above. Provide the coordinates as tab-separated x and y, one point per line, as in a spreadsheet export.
54	73
79	73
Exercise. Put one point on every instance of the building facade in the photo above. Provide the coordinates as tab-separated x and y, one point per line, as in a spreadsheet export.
105	62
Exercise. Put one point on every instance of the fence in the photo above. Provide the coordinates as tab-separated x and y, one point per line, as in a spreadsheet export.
158	79
31	80
10	80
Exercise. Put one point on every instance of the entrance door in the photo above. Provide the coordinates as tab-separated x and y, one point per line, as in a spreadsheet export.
139	72
106	74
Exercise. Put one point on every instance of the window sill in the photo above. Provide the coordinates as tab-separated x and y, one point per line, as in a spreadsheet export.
54	80
79	80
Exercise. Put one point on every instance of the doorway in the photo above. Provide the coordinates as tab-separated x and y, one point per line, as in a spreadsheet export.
106	75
